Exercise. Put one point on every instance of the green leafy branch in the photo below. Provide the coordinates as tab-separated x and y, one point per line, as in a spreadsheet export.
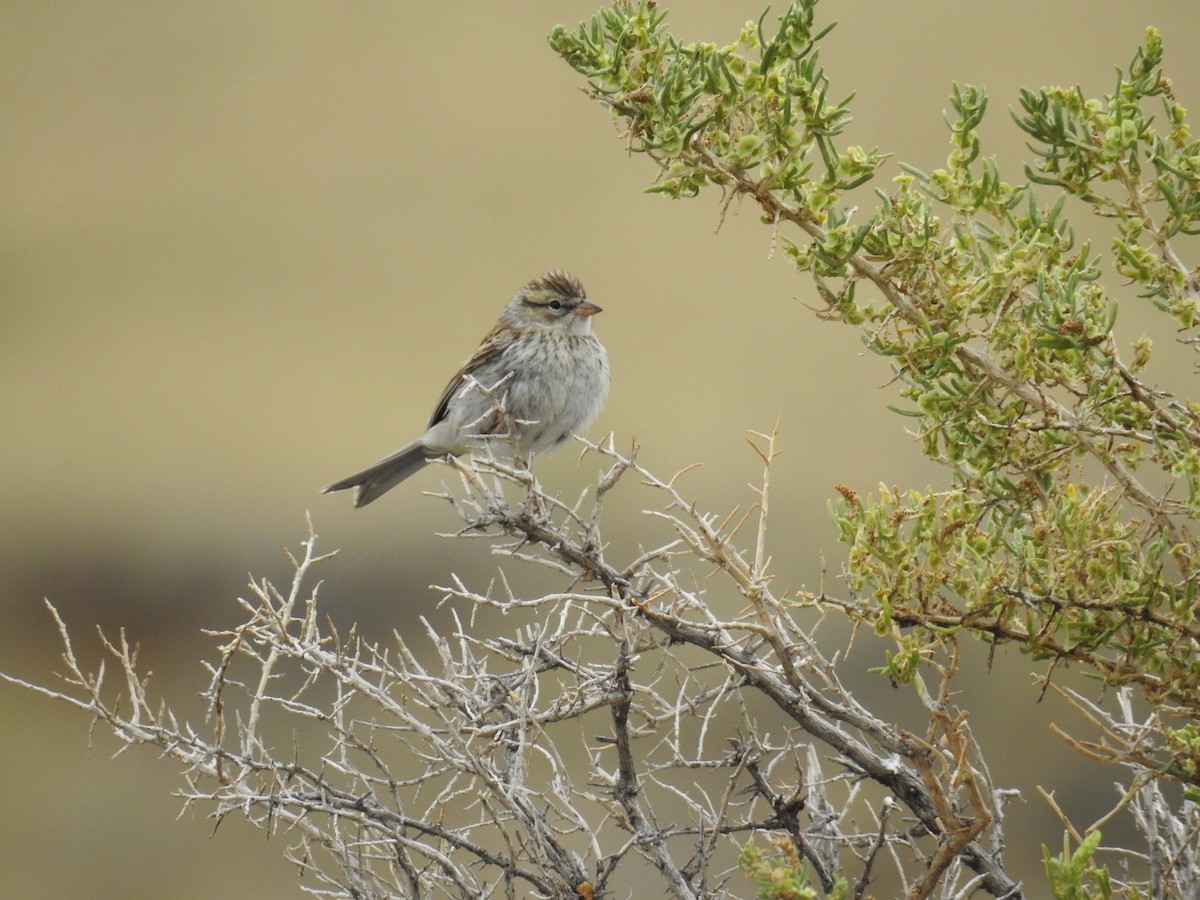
1068	525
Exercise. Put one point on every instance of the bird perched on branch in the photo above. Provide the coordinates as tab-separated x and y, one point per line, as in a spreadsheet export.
539	375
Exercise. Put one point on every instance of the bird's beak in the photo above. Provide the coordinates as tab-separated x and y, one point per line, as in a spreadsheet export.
587	308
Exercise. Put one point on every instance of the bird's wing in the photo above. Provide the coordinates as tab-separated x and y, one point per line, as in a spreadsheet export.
493	345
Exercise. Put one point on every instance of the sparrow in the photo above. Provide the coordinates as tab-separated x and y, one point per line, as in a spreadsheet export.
540	375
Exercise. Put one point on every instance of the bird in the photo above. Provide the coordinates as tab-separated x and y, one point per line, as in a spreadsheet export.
539	376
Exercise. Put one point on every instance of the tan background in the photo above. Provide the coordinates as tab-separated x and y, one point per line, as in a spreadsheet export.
242	246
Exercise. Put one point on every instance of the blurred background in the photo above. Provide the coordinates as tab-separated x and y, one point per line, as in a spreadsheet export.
243	247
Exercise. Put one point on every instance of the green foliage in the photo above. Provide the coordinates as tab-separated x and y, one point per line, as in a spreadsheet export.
1109	152
782	875
1073	876
1067	528
687	103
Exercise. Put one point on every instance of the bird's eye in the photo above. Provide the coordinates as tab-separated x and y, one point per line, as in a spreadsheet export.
554	304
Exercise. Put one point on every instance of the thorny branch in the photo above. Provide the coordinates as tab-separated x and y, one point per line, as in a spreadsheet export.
607	741
765	648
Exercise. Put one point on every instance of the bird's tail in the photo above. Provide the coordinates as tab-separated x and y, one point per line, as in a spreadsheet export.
374	482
